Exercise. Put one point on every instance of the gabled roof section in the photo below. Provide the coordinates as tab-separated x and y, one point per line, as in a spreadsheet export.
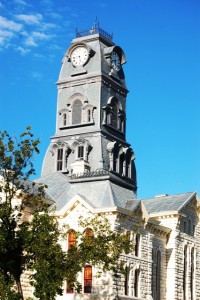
164	205
74	201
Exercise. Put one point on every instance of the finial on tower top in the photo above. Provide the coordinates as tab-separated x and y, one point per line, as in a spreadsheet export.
95	29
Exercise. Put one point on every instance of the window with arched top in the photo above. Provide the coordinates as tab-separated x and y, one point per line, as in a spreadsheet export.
89	235
137	244
71	238
185	262
192	276
114	119
89	232
77	112
121	164
126	282
128	165
136	282
113	114
158	275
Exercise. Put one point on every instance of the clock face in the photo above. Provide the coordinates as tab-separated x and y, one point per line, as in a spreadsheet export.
115	61
79	56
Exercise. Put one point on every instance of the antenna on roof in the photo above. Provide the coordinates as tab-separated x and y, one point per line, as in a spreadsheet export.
95	26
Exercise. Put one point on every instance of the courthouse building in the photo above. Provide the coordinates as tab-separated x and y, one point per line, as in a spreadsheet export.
89	169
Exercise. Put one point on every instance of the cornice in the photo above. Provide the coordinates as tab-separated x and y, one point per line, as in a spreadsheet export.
157	229
94	78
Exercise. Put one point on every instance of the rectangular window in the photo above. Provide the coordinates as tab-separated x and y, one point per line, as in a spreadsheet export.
60	159
88	279
81	152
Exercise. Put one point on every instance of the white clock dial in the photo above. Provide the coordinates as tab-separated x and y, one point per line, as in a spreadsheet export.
115	61
79	56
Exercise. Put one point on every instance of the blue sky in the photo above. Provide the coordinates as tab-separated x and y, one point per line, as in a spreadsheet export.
161	41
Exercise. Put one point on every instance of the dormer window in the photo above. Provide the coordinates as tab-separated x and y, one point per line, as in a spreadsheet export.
60	150
80	152
59	159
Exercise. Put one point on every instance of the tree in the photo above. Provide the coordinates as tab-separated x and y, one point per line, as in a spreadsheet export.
47	260
101	248
19	197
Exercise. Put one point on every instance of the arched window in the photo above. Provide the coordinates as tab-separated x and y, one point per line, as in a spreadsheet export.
77	112
136	283
115	158
88	279
192	276
115	115
185	274
89	232
71	238
121	164
158	275
126	282
137	245
128	165
71	243
60	159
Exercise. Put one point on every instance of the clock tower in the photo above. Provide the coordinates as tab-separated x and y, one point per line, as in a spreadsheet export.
90	139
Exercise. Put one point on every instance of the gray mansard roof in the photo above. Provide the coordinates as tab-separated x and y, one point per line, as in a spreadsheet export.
98	193
103	193
162	205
